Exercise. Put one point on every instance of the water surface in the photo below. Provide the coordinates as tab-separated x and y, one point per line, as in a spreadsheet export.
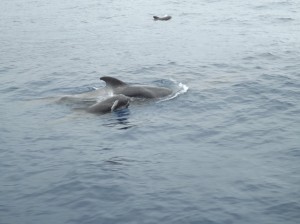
225	151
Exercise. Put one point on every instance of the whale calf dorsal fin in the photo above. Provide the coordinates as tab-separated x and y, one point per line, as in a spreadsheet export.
115	104
112	82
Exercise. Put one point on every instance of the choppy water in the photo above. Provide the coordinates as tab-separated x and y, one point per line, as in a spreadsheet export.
225	151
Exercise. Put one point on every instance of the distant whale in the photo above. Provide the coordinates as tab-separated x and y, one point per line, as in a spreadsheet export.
166	17
109	105
120	87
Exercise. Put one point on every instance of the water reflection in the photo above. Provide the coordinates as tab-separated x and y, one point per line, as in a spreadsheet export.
120	119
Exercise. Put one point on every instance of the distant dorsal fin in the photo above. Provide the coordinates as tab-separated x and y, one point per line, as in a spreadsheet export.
112	82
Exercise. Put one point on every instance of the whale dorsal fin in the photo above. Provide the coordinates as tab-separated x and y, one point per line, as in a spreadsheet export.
115	104
112	82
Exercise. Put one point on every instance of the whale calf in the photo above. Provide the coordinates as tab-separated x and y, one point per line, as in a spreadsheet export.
139	91
109	105
164	18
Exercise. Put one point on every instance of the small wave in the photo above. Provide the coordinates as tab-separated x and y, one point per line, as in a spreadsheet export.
269	55
285	19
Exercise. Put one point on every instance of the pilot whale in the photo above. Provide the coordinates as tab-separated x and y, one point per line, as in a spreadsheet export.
139	91
109	105
164	18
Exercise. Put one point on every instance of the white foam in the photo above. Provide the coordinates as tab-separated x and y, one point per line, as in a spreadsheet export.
182	89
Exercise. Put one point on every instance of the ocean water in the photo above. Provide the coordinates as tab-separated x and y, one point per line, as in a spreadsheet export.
226	149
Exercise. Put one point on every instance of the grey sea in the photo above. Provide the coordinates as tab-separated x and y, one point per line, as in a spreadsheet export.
224	149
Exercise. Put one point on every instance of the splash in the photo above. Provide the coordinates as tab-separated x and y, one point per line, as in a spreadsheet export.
182	88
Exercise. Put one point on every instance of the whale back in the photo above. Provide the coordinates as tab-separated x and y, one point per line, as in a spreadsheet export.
120	87
109	105
112	82
166	17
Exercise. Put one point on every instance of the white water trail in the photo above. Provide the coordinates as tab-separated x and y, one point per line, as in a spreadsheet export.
182	89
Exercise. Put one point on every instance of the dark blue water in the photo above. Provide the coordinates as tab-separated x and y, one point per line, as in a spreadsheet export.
225	151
